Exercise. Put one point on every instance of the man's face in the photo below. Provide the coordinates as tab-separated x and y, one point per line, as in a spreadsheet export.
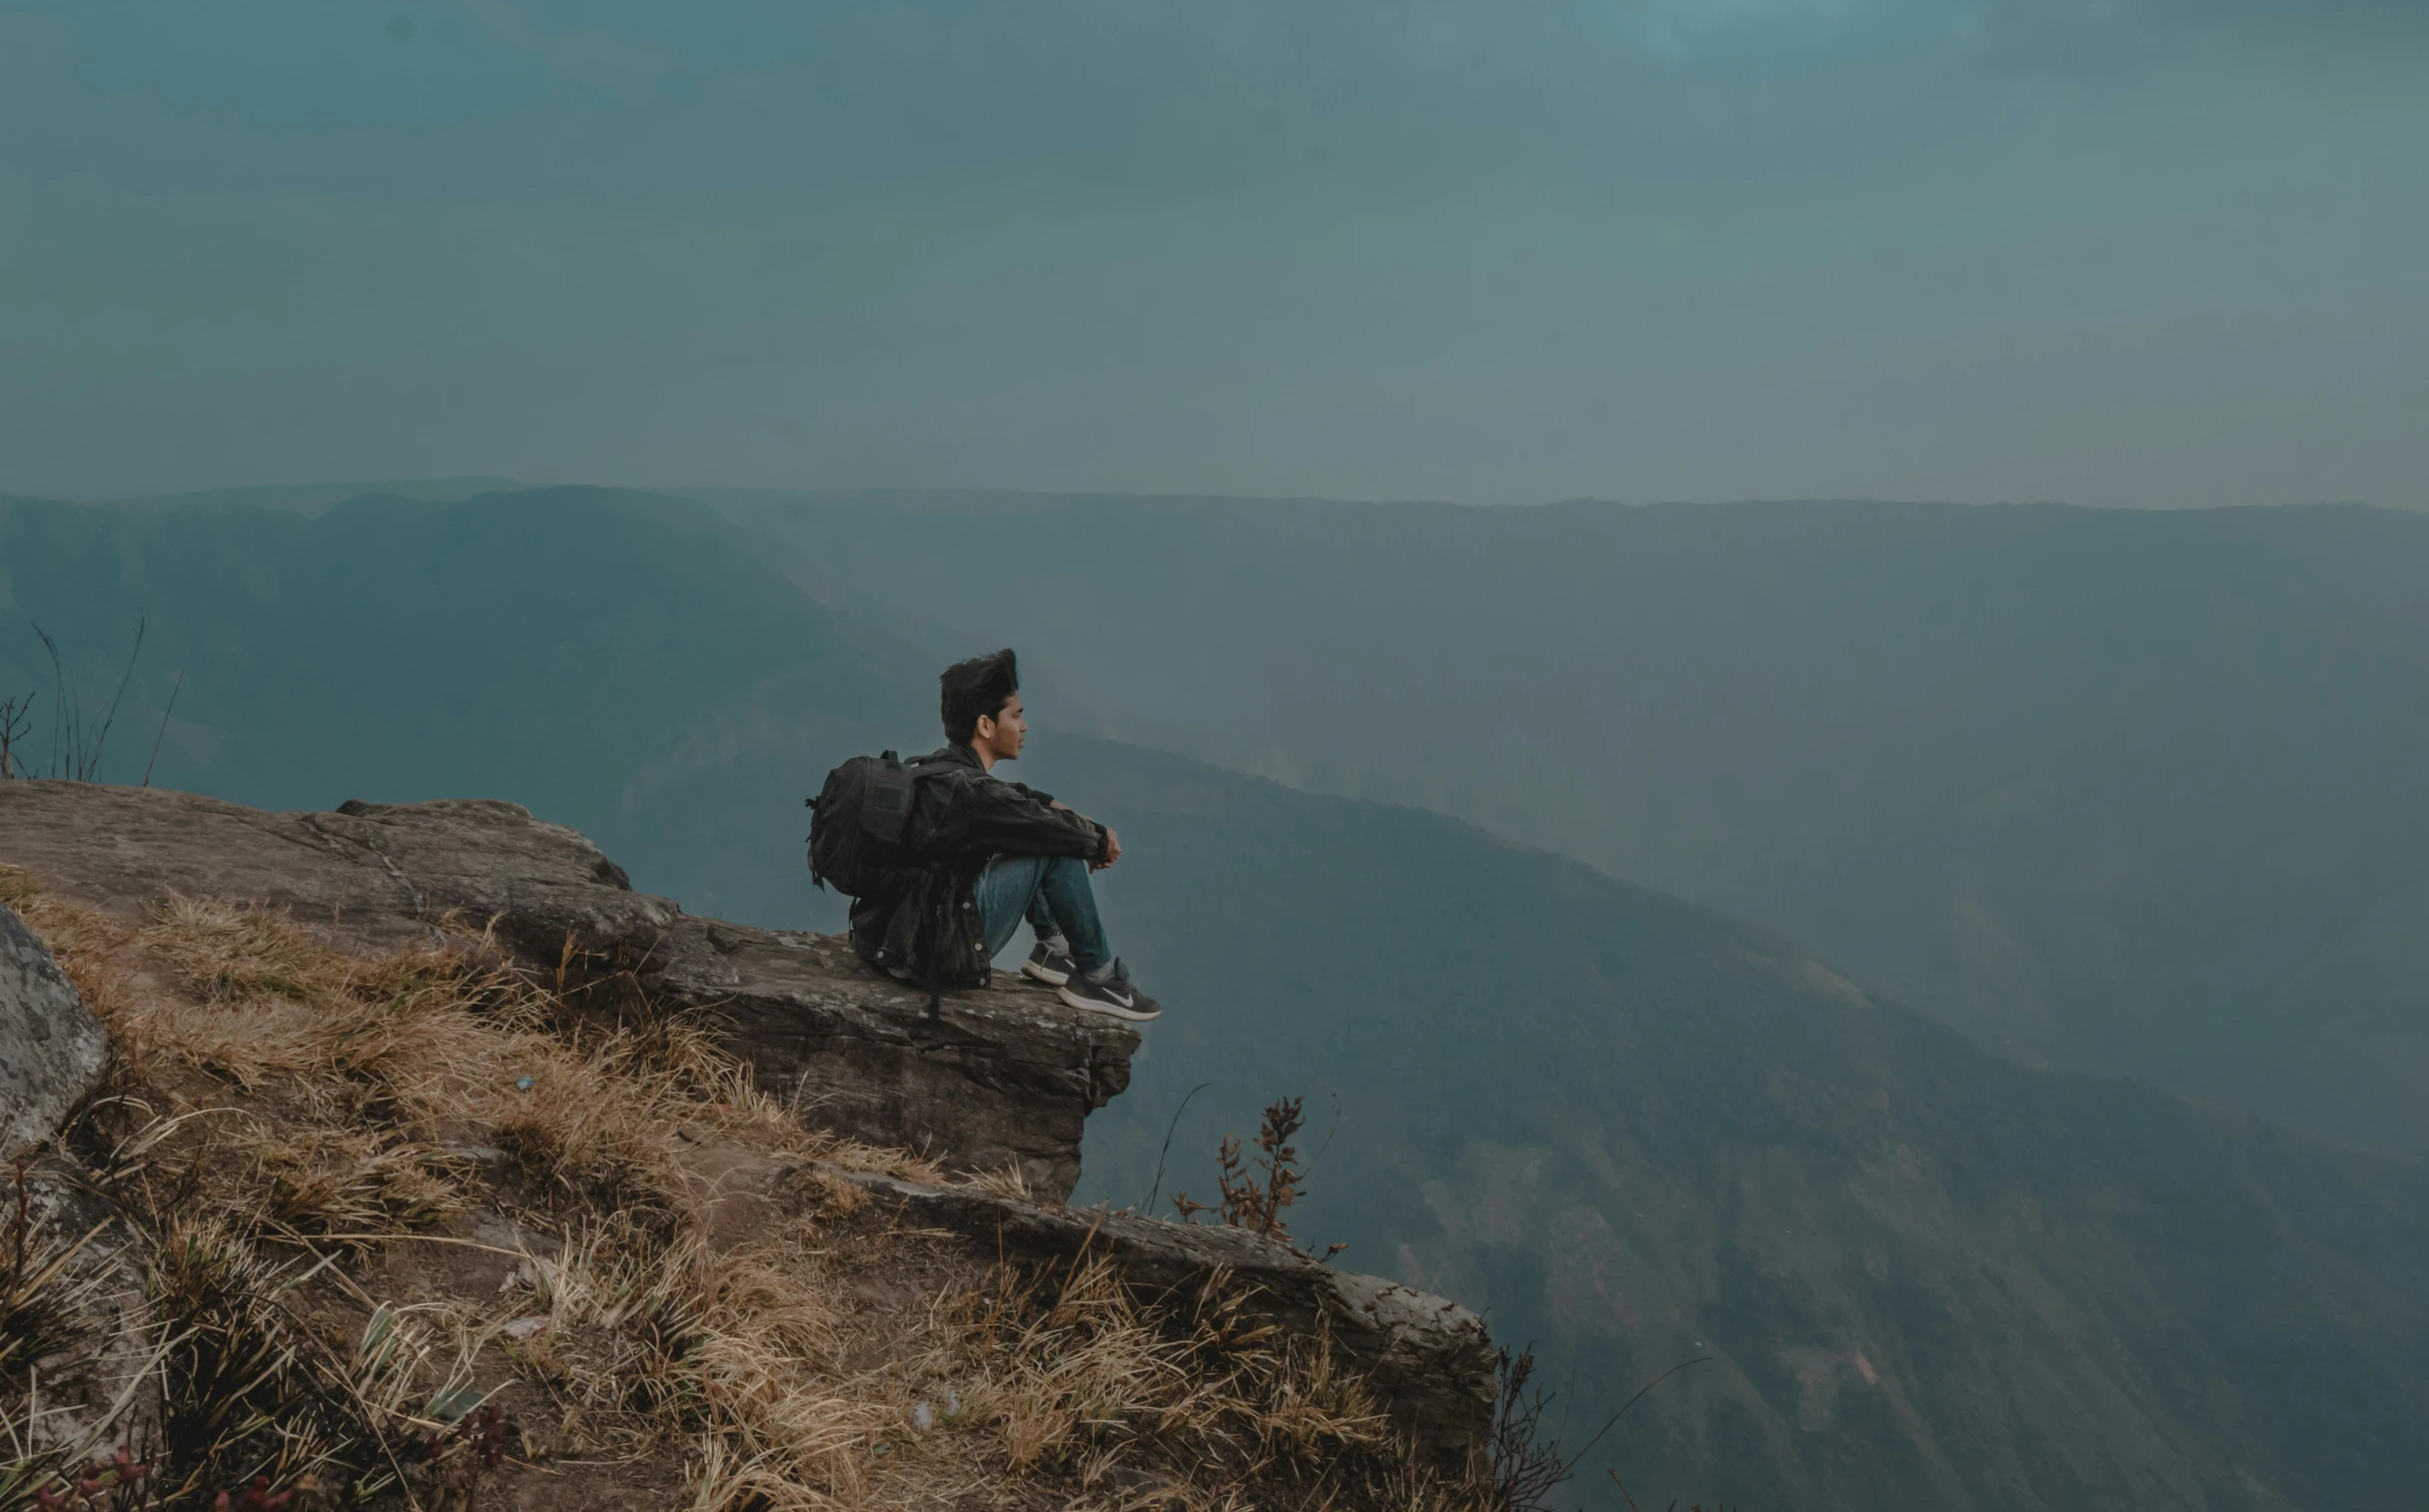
1005	732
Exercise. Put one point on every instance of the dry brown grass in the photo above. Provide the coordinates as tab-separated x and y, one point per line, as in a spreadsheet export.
381	1187
1082	1367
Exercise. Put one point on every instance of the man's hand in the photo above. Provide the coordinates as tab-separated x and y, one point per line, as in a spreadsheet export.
1112	842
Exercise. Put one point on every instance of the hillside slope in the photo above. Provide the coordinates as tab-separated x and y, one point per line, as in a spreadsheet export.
2107	790
1626	1126
1645	1132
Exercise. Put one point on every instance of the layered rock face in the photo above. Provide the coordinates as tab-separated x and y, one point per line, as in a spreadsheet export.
1428	1358
1003	1077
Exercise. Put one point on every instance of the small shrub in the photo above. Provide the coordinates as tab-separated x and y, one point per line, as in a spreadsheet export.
1248	1202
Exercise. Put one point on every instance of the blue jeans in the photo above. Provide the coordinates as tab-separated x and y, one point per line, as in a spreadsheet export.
1053	893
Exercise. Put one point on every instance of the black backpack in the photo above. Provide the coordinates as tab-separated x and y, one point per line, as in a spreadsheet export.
859	822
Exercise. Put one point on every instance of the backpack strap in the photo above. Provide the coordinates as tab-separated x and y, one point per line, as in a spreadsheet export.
935	951
951	886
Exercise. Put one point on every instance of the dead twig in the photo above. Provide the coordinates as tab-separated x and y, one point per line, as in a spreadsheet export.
174	690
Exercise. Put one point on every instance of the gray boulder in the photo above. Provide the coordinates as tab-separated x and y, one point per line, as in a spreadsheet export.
52	1049
52	1055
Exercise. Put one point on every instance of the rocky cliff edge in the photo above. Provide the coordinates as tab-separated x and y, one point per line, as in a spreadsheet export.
1004	1078
998	1086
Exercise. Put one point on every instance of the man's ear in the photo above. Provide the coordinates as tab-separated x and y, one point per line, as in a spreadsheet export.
984	729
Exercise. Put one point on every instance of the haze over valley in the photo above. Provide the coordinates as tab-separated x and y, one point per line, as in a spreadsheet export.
1624	1126
1762	668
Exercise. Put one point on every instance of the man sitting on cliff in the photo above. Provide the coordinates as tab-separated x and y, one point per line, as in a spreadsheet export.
1013	853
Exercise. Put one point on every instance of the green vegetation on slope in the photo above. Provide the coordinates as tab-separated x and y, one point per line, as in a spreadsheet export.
1631	1128
2107	790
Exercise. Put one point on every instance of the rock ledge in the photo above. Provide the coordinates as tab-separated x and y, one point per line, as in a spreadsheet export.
1426	1357
1006	1077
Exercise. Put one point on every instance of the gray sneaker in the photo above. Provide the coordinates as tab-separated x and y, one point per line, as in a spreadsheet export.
1049	966
1114	994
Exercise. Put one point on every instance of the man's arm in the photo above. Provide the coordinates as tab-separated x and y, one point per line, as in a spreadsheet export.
1112	842
1006	817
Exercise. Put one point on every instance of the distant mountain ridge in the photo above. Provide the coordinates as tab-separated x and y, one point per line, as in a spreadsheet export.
319	498
437	648
1625	1126
2124	791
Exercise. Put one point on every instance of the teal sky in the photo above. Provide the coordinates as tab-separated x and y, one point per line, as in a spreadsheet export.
2134	252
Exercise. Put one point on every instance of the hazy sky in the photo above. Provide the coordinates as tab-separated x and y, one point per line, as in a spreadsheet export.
2151	252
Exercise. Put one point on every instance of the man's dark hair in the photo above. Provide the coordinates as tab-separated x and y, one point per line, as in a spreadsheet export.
980	687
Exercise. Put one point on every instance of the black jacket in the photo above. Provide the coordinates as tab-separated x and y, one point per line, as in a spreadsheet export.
961	816
963	813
